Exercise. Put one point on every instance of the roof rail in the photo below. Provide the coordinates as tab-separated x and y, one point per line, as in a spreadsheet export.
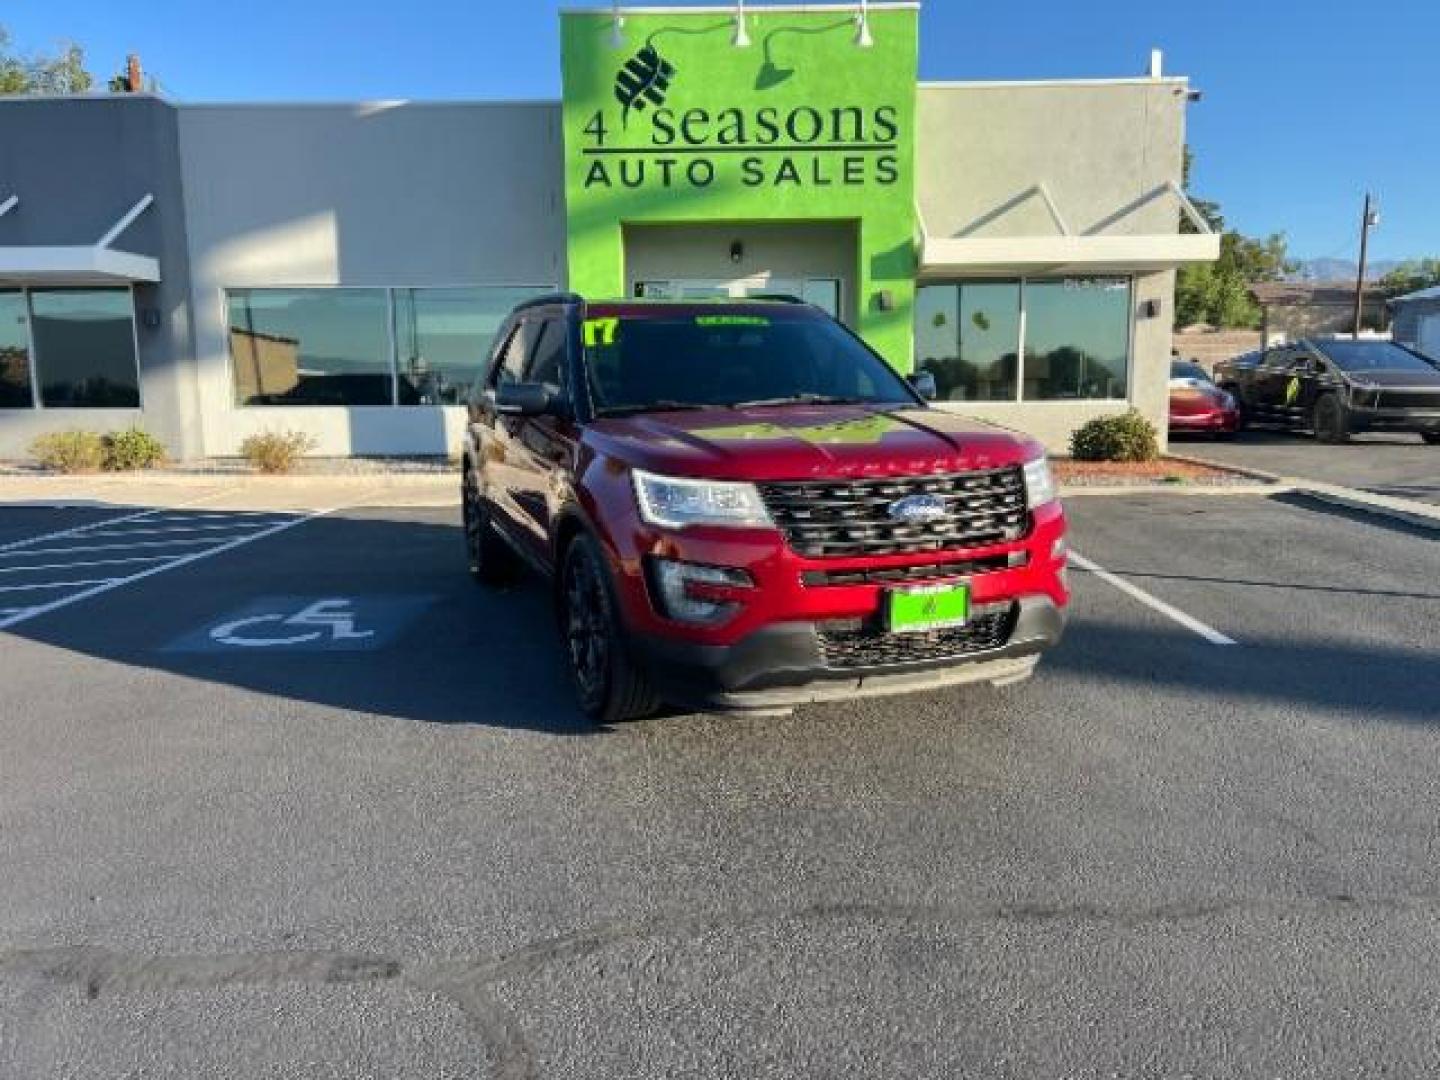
778	298
550	298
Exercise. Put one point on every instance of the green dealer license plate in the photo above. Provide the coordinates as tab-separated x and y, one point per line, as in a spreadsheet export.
928	607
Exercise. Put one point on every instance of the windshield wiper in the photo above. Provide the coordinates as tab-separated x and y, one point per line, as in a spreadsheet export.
802	399
652	406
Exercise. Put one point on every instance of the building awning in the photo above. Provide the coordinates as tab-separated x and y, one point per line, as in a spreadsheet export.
74	266
1067	253
78	264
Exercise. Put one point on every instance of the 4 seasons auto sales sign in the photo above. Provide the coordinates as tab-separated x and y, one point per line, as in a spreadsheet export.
670	121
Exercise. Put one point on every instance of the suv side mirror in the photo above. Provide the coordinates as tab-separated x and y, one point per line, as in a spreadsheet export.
923	383
524	399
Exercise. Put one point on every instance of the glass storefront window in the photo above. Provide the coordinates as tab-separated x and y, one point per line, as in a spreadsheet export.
84	341
443	337
968	337
14	353
1077	339
311	346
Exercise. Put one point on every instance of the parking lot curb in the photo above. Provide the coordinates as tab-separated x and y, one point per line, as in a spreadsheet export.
1070	491
1238	470
1410	511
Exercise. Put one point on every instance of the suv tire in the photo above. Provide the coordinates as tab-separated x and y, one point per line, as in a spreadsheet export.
490	559
610	687
1431	437
1331	421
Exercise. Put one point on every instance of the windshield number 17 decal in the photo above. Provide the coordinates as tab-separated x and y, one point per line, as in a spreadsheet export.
600	331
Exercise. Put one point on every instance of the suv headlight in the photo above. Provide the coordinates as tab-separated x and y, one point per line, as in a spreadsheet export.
1039	483
673	503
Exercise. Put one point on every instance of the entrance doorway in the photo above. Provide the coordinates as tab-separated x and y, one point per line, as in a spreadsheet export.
815	261
823	292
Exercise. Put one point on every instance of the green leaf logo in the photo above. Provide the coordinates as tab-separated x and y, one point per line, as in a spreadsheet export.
643	79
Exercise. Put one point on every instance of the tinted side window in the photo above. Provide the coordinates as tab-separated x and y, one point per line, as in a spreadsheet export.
511	368
548	365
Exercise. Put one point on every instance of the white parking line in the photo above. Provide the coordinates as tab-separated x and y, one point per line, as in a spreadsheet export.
54	585
108	547
177	529
1209	633
88	562
184	560
109	521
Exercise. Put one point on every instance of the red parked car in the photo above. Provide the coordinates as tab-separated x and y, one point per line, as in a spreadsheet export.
1197	405
743	507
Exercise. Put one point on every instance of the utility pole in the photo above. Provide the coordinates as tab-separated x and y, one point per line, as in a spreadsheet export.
1368	220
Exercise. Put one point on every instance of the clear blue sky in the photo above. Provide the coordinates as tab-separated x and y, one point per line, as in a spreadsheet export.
1307	102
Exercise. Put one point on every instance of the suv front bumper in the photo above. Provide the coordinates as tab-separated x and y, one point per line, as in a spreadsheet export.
783	665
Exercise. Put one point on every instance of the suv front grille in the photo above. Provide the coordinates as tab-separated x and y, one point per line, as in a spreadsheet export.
887	575
863	643
850	517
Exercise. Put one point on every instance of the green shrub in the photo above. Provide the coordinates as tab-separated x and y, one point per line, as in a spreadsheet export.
69	451
133	448
1128	437
276	451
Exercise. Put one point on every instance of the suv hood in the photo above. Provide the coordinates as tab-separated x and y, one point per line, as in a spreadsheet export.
797	442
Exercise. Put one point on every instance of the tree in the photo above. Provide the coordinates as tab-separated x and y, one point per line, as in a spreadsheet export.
1218	293
1208	210
1411	276
63	73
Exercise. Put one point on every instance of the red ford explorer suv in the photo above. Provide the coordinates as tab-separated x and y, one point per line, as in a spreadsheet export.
743	507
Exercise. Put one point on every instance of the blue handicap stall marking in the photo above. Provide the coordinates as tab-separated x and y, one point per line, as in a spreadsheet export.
306	624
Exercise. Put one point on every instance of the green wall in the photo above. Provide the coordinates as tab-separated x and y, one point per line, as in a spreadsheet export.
679	125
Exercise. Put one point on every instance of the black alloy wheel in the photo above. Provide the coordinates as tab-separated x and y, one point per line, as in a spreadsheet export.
610	688
586	637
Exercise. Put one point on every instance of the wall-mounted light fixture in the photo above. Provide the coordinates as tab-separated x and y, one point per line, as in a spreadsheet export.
737	251
862	22
741	40
617	27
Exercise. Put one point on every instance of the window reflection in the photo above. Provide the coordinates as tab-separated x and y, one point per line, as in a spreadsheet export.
968	337
338	346
84	342
1076	339
310	347
14	353
443	337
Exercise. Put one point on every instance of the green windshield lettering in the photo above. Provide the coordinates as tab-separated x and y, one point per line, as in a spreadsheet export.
731	320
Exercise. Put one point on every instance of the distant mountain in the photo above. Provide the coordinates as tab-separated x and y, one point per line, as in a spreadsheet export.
1342	269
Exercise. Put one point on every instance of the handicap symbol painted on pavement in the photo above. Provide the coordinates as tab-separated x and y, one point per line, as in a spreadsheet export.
336	617
306	624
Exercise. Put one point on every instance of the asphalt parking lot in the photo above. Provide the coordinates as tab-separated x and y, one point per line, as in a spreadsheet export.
303	801
1399	465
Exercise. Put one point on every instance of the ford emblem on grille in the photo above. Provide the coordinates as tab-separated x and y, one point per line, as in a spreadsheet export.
917	509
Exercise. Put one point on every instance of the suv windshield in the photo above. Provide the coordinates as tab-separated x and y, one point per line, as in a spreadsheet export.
1372	356
721	358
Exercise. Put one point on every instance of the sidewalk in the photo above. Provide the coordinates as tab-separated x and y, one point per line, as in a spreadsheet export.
1411	511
